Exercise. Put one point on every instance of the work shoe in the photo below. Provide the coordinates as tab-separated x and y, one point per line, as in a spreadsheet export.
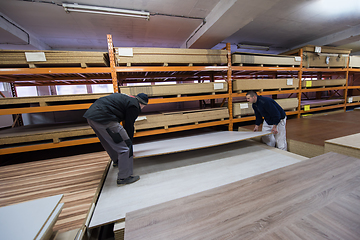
115	164
128	180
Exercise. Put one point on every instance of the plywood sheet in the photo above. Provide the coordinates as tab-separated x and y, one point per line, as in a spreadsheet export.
266	59
26	220
348	145
313	199
323	83
265	84
181	144
167	177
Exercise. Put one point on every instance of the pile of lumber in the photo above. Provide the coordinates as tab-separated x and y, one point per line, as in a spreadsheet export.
35	58
166	56
165	120
242	59
323	83
176	89
323	56
245	108
240	85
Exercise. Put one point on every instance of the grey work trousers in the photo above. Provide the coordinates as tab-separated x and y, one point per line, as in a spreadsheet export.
118	146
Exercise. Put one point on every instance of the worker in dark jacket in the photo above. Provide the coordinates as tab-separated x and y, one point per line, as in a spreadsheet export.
104	116
274	119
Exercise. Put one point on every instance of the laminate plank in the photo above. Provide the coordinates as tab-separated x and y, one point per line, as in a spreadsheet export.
191	172
260	205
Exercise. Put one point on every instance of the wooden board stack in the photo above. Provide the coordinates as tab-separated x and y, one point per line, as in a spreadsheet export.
323	56
245	108
348	145
30	220
164	120
35	58
323	83
244	59
177	89
241	85
166	56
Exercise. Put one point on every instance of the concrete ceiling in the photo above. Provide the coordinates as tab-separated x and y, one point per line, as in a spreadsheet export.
278	24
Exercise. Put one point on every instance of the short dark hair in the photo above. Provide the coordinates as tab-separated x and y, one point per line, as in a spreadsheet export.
251	93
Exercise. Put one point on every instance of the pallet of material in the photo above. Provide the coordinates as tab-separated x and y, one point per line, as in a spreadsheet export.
166	120
176	89
30	220
165	56
36	58
40	133
245	108
354	62
246	59
240	85
308	104
323	56
353	99
43	101
323	83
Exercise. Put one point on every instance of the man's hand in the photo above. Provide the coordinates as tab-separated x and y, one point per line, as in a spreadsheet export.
256	128
274	129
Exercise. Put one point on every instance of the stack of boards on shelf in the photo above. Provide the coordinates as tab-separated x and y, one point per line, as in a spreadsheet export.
30	220
251	59
323	56
241	109
166	56
35	58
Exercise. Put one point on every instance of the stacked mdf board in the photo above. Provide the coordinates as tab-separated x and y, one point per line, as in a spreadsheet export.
323	56
323	83
318	103
176	89
33	58
166	56
165	120
30	220
244	108
240	85
242	59
353	99
348	145
354	62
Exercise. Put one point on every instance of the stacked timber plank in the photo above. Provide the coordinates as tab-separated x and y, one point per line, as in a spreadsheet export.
167	56
53	100
348	145
78	178
353	99
165	120
176	89
35	58
247	59
245	108
30	220
354	62
240	85
318	103
323	56
323	83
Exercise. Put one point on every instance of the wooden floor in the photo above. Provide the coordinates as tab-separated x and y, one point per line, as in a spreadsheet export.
318	198
76	177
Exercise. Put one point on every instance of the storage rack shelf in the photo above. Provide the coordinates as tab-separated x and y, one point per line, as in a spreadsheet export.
129	74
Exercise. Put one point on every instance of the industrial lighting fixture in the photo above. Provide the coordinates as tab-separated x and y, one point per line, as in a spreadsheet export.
253	47
105	10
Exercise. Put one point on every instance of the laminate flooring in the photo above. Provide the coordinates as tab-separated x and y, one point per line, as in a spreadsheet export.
318	198
168	177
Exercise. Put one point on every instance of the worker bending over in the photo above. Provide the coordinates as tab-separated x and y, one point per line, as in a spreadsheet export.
274	119
104	116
